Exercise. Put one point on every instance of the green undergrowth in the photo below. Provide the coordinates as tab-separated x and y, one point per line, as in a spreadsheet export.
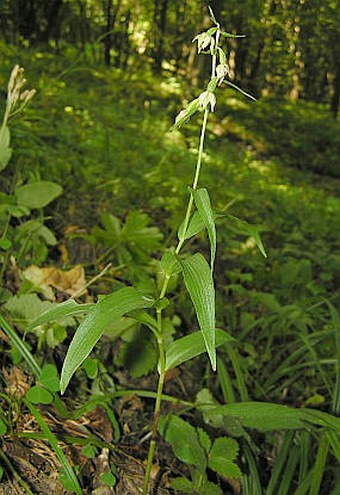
102	135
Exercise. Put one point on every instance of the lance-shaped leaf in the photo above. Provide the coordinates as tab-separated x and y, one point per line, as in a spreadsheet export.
62	310
107	311
185	114
196	225
203	205
265	416
246	228
190	346
199	283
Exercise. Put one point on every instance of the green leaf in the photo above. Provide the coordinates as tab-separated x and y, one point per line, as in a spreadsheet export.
239	89
89	451
190	346
182	484
265	416
107	311
170	264
334	440
210	488
246	228
5	243
66	481
221	456
195	226
39	395
184	440
3	427
37	194
199	283
108	479
39	230
5	150
27	306
62	310
91	368
204	439
49	378
139	355
185	114
202	201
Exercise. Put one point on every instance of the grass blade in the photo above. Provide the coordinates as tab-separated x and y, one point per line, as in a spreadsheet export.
280	462
20	346
319	466
57	449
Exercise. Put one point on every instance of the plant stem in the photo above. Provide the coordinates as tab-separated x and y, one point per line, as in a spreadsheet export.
157	410
163	290
195	181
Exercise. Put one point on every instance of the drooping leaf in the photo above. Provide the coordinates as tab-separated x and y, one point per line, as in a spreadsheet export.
265	416
246	228
199	283
190	346
61	310
234	86
37	194
108	310
202	201
184	440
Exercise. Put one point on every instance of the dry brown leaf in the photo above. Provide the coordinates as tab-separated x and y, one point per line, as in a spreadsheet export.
71	282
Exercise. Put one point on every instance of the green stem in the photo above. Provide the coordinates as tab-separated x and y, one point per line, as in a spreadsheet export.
157	410
196	178
163	290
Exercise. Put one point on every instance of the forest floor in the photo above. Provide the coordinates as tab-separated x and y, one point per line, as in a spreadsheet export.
104	137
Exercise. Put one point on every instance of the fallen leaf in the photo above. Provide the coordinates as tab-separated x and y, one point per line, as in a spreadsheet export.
71	281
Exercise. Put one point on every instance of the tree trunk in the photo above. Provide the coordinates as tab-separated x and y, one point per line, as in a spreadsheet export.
108	37
336	93
51	30
160	17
